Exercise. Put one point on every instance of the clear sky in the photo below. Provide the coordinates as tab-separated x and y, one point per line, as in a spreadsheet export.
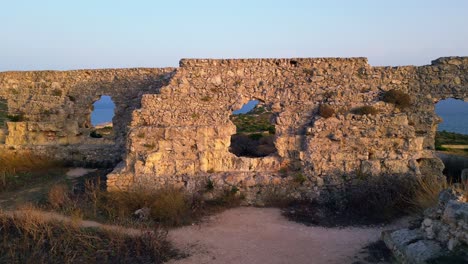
66	34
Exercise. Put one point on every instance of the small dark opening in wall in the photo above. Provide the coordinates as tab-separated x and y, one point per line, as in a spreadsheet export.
101	118
451	139
293	63
255	136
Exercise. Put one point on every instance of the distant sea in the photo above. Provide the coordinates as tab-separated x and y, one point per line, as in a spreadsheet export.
454	114
103	111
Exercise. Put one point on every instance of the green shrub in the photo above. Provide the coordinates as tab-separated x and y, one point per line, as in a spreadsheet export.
365	110
398	98
16	118
300	178
326	111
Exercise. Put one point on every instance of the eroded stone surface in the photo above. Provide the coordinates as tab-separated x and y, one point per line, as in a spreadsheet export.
173	126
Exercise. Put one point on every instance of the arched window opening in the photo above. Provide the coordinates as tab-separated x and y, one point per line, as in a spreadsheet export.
451	140
101	118
255	133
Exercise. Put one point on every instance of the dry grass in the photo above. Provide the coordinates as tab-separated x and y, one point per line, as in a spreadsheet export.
18	169
168	206
365	110
427	192
58	195
398	98
30	238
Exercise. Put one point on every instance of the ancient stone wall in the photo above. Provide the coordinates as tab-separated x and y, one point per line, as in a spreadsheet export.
49	111
173	125
182	135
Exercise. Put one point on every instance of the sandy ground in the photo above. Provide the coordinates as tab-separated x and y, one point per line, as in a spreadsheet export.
263	235
78	172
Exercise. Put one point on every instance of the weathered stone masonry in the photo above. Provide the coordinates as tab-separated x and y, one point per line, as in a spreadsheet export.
181	133
54	110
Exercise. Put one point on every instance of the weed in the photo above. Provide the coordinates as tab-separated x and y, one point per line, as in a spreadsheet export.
71	98
234	189
57	92
299	178
149	145
16	118
326	111
205	98
309	72
237	83
209	185
58	195
141	135
398	98
365	110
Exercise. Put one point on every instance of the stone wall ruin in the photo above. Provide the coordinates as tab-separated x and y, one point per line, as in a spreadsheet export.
173	125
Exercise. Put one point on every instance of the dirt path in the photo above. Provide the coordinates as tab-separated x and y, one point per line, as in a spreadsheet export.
263	235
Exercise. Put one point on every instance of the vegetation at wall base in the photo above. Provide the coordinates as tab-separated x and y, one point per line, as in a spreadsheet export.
168	207
18	169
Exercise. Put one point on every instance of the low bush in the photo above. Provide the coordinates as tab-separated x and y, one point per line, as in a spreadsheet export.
366	201
31	238
398	98
326	111
365	110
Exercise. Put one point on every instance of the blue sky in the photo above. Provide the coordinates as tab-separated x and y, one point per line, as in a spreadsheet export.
53	34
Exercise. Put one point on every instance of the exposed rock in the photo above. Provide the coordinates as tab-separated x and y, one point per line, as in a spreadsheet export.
443	233
172	126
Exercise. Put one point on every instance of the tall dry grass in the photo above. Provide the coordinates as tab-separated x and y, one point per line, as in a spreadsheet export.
427	192
169	206
23	167
30	238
